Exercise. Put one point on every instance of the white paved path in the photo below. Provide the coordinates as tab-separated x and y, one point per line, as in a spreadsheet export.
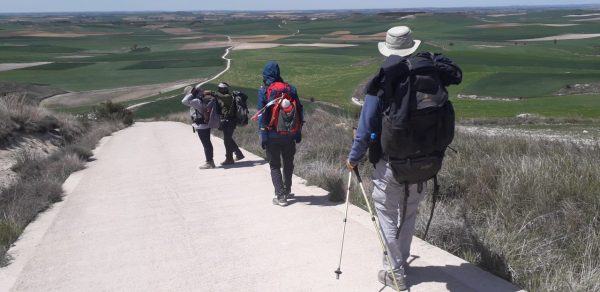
142	217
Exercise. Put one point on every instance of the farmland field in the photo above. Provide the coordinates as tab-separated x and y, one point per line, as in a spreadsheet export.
505	72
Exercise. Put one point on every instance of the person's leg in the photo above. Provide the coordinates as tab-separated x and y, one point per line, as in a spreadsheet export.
234	145
408	229
204	135
227	140
274	158
388	197
287	153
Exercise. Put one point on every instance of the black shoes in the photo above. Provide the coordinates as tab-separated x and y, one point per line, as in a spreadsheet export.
228	161
280	201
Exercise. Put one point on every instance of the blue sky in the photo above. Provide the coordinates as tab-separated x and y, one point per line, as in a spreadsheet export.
172	5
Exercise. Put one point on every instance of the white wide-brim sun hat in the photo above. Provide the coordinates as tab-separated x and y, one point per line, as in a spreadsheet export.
398	41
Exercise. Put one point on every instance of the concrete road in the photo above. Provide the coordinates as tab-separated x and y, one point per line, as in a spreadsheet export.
143	217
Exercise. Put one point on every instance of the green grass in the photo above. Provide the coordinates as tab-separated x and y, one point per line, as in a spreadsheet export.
577	106
532	70
58	66
125	69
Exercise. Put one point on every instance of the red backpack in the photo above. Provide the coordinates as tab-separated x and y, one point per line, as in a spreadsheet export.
284	121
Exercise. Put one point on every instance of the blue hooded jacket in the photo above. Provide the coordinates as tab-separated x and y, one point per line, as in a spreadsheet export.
271	74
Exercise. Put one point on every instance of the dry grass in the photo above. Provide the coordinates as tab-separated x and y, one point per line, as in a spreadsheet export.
21	116
527	211
40	178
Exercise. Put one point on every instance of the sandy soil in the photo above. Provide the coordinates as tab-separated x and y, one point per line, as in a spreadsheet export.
340	32
189	38
588	19
154	26
206	45
122	94
254	46
351	37
321	45
544	135
506	14
487	46
66	34
585	88
568	36
74	57
177	30
13	66
582	15
516	24
258	38
483	97
40	145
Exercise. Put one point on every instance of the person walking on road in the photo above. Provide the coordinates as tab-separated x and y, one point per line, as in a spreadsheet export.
406	83
228	123
280	120
200	109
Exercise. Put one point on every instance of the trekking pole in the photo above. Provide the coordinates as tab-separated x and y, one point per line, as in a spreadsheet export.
338	272
377	228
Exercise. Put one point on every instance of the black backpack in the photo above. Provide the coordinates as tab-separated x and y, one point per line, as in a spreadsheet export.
418	119
241	104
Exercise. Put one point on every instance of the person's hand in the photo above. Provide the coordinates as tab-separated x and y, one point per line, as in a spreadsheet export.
298	137
264	138
351	165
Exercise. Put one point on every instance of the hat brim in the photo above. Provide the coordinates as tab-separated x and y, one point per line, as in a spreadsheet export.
384	50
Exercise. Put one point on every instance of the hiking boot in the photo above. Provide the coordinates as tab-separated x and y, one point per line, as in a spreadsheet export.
208	165
239	157
280	200
289	195
228	161
385	278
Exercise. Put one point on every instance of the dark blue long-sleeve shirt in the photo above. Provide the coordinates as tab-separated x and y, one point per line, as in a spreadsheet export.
369	122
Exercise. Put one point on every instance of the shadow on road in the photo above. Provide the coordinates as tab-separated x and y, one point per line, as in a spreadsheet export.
444	274
245	163
313	201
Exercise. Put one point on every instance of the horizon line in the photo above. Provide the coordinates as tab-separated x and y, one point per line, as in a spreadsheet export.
597	5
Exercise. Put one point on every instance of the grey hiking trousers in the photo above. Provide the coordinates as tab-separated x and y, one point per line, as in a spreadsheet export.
388	196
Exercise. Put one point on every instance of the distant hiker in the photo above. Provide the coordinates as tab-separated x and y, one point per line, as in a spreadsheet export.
228	123
406	122
280	118
202	108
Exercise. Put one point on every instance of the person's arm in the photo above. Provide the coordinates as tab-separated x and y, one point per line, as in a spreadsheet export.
369	122
295	95
191	101
260	103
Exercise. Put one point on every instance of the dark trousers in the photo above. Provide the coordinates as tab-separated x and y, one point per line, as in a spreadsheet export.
230	145
279	149
205	139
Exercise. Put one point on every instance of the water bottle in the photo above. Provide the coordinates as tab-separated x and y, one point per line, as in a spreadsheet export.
374	149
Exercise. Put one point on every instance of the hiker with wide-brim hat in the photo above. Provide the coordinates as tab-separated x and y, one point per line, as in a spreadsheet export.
406	82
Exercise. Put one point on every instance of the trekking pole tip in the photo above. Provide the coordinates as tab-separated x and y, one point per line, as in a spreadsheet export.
338	272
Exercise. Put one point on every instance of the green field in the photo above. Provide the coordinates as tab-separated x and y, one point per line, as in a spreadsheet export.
496	61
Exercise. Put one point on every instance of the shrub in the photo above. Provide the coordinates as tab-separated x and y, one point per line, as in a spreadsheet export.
115	112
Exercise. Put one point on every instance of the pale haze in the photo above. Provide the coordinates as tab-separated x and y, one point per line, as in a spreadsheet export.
188	5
